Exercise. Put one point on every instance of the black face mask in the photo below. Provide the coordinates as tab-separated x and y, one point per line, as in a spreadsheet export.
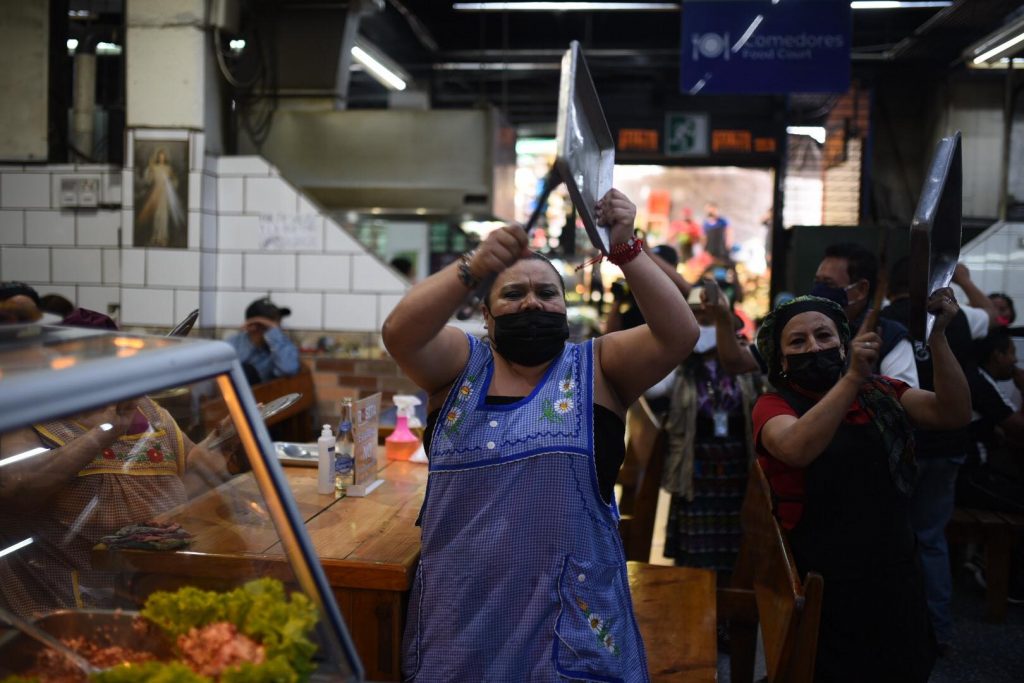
530	337
816	371
837	294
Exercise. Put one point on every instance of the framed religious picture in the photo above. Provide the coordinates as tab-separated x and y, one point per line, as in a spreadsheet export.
161	193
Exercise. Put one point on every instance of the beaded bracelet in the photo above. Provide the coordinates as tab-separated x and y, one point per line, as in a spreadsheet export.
623	253
469	281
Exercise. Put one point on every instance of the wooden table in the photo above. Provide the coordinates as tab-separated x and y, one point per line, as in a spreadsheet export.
368	548
675	610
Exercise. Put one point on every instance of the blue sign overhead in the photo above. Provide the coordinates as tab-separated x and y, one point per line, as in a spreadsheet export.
765	46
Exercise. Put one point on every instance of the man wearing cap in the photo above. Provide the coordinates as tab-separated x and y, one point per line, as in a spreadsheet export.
264	349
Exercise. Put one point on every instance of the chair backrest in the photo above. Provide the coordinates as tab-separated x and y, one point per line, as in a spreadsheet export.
640	479
788	610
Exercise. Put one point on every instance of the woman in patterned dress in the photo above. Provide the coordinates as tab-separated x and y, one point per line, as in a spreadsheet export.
522	573
100	471
709	446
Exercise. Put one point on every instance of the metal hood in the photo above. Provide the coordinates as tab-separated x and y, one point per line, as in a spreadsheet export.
432	161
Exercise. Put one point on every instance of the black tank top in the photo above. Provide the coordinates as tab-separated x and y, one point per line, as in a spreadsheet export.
609	442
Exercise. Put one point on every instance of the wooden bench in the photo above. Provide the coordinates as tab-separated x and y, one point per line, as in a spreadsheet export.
998	532
640	479
766	589
676	614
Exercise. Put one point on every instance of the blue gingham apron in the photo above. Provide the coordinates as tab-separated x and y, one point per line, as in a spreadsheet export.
522	575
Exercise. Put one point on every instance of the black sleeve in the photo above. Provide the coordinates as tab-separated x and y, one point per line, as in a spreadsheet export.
986	399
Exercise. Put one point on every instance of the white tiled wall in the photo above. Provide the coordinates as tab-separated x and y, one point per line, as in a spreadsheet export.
25	190
98	227
328	279
147	306
28	264
12	227
274	272
73	266
172	268
996	260
49	227
335	286
97	298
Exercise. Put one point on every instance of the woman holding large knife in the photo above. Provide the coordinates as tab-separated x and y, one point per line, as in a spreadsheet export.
522	575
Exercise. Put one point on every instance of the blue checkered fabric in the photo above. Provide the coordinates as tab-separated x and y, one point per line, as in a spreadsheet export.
522	575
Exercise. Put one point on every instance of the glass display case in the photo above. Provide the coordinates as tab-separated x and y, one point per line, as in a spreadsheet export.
121	456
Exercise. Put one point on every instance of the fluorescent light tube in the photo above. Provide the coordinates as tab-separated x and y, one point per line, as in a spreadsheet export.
565	6
1002	47
497	66
22	456
904	4
380	72
17	546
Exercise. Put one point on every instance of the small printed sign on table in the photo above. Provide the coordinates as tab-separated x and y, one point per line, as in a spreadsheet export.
365	420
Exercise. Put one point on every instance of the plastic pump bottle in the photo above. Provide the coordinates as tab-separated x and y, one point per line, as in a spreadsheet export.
325	461
403	443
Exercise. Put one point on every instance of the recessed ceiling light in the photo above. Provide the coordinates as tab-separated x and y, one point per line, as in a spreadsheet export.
565	6
903	4
379	66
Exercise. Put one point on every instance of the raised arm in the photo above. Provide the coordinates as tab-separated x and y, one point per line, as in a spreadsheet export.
975	297
416	335
736	359
633	360
283	351
799	441
949	406
678	280
33	481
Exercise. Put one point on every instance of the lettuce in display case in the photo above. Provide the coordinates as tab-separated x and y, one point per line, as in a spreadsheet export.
119	456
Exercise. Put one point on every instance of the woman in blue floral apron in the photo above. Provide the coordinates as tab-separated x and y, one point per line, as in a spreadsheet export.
522	575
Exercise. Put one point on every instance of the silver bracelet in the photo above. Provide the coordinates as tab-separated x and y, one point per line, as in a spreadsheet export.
469	281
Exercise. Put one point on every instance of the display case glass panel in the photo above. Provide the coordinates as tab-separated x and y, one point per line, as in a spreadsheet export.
141	522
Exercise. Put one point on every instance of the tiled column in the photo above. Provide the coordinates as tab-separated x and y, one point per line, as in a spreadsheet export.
166	89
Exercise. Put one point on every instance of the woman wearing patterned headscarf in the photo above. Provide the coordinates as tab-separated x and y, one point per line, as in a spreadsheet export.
836	444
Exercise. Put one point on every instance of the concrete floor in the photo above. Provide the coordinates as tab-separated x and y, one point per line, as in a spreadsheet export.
983	652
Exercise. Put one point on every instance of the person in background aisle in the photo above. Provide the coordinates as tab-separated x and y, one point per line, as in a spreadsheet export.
980	310
90	475
717	234
1006	314
837	447
686	232
997	430
522	575
19	303
848	275
709	446
263	348
625	313
939	453
993	476
55	306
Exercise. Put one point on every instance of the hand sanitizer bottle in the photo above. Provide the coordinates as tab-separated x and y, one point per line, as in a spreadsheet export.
325	462
402	443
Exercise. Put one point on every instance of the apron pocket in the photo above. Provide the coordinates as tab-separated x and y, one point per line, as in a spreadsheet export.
592	624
